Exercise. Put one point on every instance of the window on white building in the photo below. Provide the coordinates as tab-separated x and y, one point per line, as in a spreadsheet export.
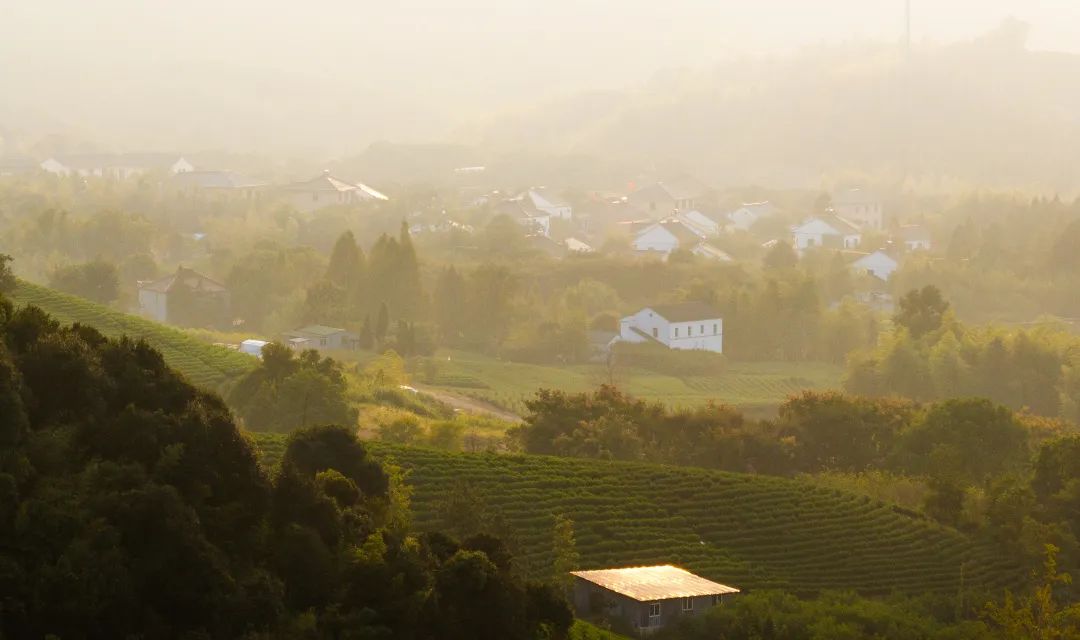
687	604
654	609
715	599
714	330
655	332
676	332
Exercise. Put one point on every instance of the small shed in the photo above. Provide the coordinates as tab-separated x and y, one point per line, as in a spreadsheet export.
253	347
644	599
321	338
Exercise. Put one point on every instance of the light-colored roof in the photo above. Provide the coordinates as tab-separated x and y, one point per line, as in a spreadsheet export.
708	251
189	277
322	182
315	331
326	183
686	311
573	244
646	584
545	197
838	224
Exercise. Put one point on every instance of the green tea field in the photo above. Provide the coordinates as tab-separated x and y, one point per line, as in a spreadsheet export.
750	385
746	530
204	364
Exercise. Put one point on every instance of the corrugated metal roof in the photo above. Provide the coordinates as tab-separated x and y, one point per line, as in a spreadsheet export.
646	584
189	277
315	331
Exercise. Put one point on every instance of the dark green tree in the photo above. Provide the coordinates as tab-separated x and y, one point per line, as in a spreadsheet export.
97	280
921	311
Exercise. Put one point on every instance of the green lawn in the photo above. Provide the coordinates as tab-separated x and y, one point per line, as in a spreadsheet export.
751	385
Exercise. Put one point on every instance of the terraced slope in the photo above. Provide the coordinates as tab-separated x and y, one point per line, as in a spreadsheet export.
750	531
203	364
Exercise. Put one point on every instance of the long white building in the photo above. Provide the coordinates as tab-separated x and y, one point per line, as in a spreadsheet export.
689	325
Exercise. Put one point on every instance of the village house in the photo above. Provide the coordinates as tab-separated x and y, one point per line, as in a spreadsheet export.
700	223
325	190
688	325
860	208
217	185
915	237
878	264
746	216
321	338
826	231
664	237
642	600
184	297
661	238
115	165
662	199
521	210
545	201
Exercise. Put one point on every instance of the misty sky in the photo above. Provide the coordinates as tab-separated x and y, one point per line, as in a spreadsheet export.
414	68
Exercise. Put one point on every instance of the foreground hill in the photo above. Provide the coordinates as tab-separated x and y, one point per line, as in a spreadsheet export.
751	531
203	364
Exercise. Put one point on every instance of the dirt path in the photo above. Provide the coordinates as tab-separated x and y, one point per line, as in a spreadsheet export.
467	404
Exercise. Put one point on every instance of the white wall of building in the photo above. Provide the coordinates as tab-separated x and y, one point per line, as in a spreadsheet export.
656	238
877	264
706	334
154	305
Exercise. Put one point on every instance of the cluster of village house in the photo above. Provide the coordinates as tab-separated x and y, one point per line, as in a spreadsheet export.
659	218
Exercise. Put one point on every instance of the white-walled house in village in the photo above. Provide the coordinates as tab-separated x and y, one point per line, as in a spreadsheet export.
878	264
859	207
826	231
700	223
748	214
688	325
547	202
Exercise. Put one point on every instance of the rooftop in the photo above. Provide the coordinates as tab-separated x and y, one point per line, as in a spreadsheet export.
325	182
314	331
686	311
189	277
646	584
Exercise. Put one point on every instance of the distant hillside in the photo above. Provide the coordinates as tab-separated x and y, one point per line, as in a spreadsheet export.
203	364
985	112
751	531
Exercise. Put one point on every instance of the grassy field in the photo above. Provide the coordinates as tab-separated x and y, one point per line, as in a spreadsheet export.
751	385
749	531
204	364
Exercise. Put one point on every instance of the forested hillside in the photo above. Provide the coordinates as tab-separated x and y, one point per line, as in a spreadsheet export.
983	112
132	506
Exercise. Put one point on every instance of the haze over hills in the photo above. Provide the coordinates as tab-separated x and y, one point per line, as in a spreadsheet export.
777	94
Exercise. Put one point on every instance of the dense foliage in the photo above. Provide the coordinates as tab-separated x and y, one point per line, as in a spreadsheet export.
930	355
985	468
131	506
287	391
